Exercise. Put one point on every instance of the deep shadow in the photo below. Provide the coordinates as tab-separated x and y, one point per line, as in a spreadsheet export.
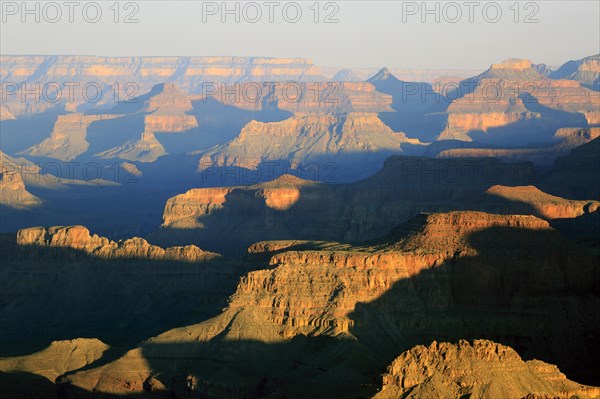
533	290
351	212
530	131
220	123
57	293
38	128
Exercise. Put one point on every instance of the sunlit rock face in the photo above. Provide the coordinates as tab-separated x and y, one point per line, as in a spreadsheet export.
586	71
355	143
356	308
293	208
79	238
13	192
481	369
126	77
511	97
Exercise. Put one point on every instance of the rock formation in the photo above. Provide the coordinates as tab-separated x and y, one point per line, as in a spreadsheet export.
237	216
322	319
146	149
68	138
304	97
144	72
530	199
57	359
166	109
356	143
586	71
5	114
488	108
79	238
483	369
12	188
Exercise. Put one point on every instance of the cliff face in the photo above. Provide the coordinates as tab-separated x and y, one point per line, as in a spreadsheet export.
13	192
304	97
483	369
490	107
356	143
79	238
187	72
68	137
586	71
167	110
292	208
543	205
324	318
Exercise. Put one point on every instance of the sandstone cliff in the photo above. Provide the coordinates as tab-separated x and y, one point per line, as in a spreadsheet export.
322	319
145	72
585	71
13	192
79	238
483	369
530	199
356	143
234	217
489	108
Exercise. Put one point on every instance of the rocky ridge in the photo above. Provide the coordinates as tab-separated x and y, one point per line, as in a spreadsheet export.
323	317
482	369
79	238
539	102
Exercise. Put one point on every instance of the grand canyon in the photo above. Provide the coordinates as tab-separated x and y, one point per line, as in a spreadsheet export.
257	227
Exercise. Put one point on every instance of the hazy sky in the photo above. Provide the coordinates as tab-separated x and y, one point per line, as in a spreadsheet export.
366	34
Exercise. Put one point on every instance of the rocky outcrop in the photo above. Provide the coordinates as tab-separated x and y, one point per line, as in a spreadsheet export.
293	208
517	199
482	369
5	114
490	107
324	318
167	107
68	137
586	71
146	149
13	192
131	169
355	143
79	238
57	359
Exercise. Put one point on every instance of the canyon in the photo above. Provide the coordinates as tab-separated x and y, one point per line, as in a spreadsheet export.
316	318
253	227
